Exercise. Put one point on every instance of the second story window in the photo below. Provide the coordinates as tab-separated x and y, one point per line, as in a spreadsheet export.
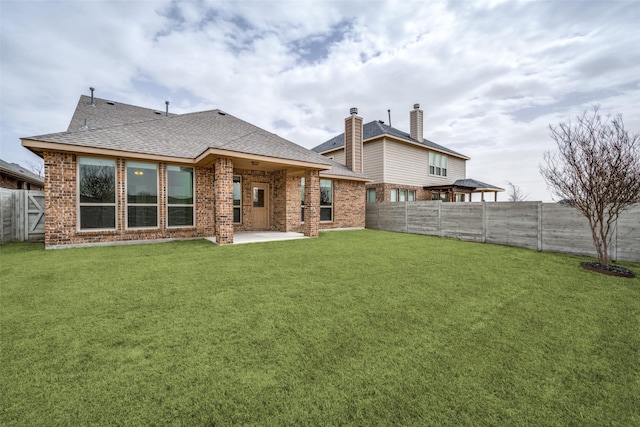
437	164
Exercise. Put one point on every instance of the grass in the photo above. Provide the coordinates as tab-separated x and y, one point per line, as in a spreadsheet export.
352	328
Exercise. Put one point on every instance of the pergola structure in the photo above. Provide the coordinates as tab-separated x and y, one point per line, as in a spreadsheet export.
459	190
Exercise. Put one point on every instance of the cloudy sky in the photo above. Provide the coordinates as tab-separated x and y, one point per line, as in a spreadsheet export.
489	75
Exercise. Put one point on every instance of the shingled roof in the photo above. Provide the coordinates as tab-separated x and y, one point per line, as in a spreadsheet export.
125	128
376	129
19	172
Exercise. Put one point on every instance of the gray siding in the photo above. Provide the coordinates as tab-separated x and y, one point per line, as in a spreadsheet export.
374	161
409	165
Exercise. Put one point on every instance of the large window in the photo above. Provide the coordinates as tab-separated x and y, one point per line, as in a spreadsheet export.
437	164
326	200
97	193
142	195
180	206
237	200
302	199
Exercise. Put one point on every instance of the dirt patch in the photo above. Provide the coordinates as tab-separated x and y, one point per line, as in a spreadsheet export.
610	270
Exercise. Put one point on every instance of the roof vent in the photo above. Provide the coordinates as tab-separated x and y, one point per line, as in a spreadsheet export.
111	103
353	111
222	113
157	112
381	122
166	103
416	106
92	89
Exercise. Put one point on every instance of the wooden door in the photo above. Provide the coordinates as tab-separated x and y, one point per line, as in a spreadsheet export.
260	206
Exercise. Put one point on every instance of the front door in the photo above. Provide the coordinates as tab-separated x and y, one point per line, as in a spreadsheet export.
260	209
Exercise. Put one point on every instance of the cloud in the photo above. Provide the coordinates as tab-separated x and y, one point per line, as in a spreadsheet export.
489	75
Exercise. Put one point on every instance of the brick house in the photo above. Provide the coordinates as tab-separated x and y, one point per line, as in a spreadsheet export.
122	172
403	166
15	177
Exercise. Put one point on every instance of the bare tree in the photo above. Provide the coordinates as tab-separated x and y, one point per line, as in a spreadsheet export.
596	168
515	193
36	167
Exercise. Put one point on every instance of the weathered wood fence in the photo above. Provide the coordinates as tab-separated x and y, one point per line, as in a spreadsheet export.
534	225
21	215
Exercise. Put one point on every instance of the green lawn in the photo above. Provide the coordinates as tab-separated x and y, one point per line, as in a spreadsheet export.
353	328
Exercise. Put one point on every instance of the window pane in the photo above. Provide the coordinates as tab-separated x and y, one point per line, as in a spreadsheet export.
179	185
371	195
142	216
97	180
326	214
180	216
236	215
403	195
302	192
412	196
142	183
258	198
326	192
237	191
394	195
97	217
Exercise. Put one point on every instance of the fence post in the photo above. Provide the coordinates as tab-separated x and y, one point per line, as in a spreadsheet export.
484	222
440	233
540	226
406	217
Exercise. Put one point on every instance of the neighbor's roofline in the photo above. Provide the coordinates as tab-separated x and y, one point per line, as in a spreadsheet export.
417	144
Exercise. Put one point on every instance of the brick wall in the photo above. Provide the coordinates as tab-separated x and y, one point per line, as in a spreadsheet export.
61	204
61	212
383	191
223	169
349	201
8	181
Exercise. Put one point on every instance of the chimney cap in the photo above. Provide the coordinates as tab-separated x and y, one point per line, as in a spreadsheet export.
416	106
353	110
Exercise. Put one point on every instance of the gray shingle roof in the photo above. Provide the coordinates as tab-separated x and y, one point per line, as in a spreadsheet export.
478	185
105	113
122	127
375	129
18	171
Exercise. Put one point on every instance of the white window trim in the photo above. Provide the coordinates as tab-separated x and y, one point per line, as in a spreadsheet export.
78	204
182	205
126	198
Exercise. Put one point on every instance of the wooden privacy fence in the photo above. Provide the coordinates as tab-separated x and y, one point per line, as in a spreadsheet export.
21	215
534	225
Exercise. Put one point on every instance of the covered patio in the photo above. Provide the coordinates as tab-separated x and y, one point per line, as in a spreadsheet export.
241	237
463	190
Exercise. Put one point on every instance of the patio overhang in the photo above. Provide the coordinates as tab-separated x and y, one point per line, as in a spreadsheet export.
256	162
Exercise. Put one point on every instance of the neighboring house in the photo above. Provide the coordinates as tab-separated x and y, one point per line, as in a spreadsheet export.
403	166
15	177
122	172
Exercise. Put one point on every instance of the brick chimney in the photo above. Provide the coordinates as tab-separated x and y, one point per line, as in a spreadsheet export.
416	123
353	136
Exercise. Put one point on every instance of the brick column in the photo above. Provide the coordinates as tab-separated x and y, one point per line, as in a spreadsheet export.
311	203
223	175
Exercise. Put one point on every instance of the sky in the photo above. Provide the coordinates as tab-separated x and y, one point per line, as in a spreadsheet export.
490	76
